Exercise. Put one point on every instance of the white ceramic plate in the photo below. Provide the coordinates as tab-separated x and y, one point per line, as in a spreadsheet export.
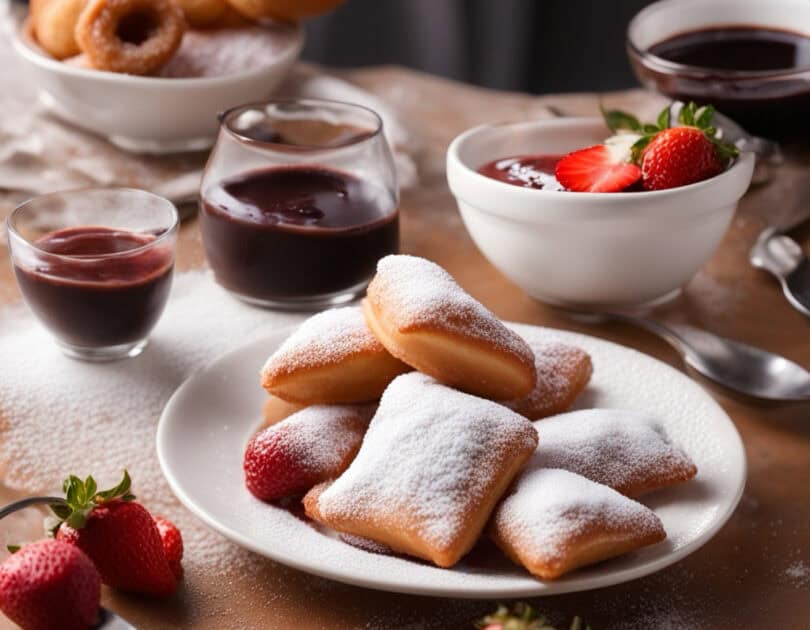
206	424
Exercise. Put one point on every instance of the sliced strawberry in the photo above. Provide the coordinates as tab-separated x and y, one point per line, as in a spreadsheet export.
679	156
172	544
596	169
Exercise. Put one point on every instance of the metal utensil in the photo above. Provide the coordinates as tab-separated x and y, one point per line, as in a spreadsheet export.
783	258
735	365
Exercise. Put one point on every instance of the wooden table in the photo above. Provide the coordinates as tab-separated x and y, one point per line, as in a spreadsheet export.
755	573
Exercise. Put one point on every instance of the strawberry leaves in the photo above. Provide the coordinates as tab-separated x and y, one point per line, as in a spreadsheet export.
81	497
690	115
522	617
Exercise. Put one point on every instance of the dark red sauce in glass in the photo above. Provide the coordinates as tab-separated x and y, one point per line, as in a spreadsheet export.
92	299
296	231
772	103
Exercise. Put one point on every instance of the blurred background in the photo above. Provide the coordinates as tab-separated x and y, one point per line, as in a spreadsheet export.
527	45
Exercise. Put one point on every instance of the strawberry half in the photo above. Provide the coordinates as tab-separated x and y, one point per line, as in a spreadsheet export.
50	585
119	535
172	544
599	168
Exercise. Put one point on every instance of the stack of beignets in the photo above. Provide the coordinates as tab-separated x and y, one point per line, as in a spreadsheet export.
451	447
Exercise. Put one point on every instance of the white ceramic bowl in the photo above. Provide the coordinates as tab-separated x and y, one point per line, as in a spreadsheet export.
149	114
593	250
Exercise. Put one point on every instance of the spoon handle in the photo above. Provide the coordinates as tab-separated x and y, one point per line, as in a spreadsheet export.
24	503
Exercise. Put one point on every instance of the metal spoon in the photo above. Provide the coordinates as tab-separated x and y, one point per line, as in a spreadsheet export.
735	365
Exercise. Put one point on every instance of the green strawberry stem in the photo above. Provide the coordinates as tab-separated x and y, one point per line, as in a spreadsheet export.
690	116
81	497
523	617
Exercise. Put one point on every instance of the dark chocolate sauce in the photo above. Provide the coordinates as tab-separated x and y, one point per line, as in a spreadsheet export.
296	231
90	299
742	48
528	171
772	103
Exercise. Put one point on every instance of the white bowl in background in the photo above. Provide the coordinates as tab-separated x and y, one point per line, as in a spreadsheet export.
587	250
149	114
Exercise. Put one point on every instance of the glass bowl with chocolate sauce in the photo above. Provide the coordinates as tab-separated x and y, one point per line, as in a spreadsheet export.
95	266
748	58
298	202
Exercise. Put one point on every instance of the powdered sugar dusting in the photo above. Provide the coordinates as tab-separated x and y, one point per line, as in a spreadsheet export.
550	508
430	452
320	437
220	52
622	378
62	416
558	366
626	450
415	292
324	339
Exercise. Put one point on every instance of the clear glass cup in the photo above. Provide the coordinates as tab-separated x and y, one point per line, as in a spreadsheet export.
95	266
298	202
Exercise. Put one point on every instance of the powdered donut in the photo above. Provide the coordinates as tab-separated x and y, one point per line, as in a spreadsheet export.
424	318
276	409
130	36
54	22
556	521
431	468
331	358
563	371
318	443
285	10
204	13
625	450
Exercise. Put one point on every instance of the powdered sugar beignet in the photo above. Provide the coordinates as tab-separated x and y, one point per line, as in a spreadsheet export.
556	521
626	450
331	358
563	371
431	468
424	318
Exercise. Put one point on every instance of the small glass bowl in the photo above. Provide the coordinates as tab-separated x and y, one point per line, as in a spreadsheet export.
769	103
95	266
298	202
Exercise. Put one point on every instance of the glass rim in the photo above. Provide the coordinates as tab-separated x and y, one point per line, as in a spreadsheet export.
25	205
659	64
225	117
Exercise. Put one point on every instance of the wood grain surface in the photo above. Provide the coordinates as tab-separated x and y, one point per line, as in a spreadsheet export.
755	573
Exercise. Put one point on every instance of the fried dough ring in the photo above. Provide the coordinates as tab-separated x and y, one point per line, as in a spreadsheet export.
130	36
284	10
204	13
54	22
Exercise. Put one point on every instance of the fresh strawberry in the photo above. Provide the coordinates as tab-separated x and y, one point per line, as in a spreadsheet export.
118	534
306	448
596	169
172	544
50	585
675	156
272	469
678	156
